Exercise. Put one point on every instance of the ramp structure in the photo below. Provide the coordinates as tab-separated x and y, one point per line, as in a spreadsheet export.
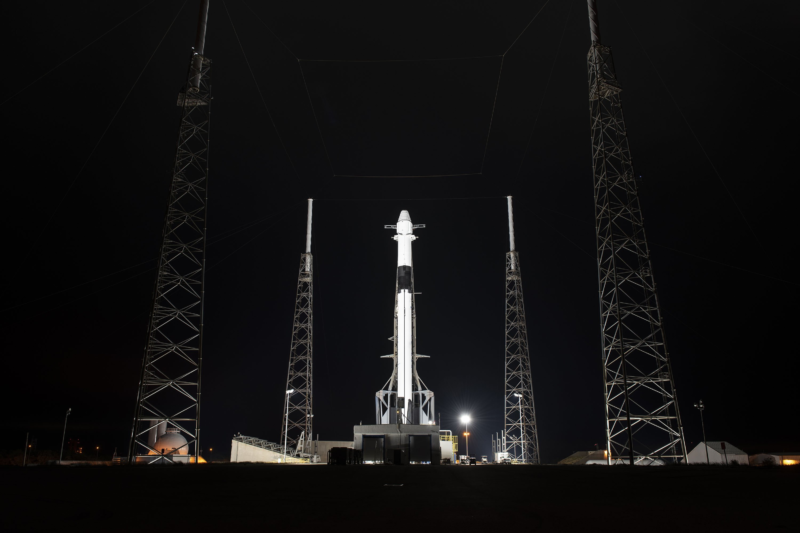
643	421
252	450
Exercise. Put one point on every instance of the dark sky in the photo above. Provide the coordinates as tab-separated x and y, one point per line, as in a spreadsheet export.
88	140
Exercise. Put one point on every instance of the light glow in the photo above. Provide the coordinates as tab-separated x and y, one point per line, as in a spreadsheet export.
788	462
466	419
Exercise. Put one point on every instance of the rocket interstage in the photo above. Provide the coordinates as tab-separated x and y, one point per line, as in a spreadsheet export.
404	399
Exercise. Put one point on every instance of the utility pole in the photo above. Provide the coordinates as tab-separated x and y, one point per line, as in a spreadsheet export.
288	394
298	417
64	436
639	389
700	407
25	455
169	383
520	414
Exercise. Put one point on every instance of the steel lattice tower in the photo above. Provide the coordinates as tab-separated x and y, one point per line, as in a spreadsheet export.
521	432
643	421
169	383
298	414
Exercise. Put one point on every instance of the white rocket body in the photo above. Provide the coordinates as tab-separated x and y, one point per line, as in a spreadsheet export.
404	399
405	320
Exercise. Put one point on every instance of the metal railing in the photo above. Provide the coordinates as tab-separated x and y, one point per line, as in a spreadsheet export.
272	446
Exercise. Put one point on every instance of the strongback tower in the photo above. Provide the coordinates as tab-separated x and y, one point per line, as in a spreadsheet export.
521	432
168	399
298	413
643	421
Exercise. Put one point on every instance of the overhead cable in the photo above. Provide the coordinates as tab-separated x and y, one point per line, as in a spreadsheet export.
76	53
97	144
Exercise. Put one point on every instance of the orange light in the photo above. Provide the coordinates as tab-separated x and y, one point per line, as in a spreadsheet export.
788	462
466	434
211	449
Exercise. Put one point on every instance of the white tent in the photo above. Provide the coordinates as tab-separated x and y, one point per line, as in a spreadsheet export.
717	454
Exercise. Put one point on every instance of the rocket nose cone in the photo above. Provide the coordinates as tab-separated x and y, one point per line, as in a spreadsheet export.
404	216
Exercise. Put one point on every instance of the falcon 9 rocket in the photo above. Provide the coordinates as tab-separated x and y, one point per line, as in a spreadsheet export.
404	399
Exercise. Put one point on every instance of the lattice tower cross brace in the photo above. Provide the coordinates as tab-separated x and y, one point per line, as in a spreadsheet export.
169	383
643	422
298	415
522	438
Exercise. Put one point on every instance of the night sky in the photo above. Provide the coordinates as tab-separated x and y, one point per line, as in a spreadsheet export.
710	95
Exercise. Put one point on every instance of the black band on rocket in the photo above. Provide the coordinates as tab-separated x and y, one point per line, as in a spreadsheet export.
403	278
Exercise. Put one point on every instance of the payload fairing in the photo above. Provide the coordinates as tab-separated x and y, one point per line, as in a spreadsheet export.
405	398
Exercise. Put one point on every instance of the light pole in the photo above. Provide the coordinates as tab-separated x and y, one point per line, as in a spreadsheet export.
309	437
97	453
211	455
466	419
521	427
286	430
700	408
25	457
61	457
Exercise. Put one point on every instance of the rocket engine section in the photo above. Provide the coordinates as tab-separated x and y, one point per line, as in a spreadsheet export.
404	398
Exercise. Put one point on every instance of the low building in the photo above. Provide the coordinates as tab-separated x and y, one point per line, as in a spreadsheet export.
320	448
782	459
398	443
719	452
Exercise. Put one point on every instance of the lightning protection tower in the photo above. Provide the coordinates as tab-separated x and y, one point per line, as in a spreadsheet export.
643	421
166	421
521	433
298	414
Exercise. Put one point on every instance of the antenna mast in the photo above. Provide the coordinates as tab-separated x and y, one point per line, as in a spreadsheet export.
168	399
522	436
298	416
643	423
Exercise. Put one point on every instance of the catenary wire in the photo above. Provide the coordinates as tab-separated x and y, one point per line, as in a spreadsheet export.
541	103
526	27
414	176
743	58
409	199
491	118
258	88
755	37
668	248
212	241
117	25
259	234
220	238
688	125
270	30
316	120
494	107
398	60
100	140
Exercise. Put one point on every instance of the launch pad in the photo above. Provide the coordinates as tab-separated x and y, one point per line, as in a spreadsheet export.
405	431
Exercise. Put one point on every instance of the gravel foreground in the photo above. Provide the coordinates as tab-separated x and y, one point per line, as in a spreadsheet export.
224	497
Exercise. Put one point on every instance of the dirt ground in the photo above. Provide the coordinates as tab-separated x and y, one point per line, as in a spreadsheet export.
486	498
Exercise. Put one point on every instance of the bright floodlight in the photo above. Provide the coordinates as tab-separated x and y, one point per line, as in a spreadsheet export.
465	419
518	395
289	391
